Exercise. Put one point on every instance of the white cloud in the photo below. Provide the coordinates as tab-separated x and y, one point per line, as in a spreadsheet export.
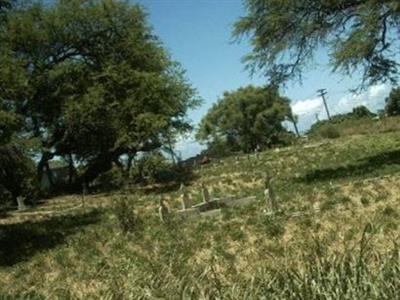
188	147
307	106
373	99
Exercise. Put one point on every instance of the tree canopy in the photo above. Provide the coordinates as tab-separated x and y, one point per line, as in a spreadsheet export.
90	80
392	107
246	119
359	35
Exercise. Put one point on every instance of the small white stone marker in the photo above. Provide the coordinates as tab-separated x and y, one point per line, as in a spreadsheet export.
162	210
21	203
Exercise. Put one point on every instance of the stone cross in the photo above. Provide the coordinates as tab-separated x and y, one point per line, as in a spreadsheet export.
184	197
205	193
162	210
21	203
269	196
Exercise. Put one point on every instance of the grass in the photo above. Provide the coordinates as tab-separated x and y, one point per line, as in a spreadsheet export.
345	249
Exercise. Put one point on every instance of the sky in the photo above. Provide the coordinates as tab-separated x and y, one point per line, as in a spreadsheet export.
197	33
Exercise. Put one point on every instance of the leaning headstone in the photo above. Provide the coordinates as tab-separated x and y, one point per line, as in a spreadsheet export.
184	197
205	193
21	203
269	196
162	210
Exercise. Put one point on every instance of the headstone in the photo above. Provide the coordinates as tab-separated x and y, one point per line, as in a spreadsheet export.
184	197
162	210
21	203
269	196
205	193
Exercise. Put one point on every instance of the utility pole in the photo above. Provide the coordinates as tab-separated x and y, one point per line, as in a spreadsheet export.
322	93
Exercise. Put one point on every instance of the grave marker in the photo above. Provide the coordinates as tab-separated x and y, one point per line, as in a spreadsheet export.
184	197
21	203
162	209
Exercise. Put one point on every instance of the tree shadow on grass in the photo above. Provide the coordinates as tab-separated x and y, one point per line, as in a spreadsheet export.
364	166
18	242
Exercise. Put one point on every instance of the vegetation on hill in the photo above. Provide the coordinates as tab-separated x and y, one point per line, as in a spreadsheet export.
335	235
86	85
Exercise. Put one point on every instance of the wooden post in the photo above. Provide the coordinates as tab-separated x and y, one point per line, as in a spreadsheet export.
184	197
84	193
162	209
205	193
269	196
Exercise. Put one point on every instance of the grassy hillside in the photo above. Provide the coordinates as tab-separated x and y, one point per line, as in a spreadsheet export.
336	235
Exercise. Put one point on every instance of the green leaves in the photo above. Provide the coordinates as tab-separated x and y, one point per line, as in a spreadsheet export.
245	119
359	35
90	79
392	107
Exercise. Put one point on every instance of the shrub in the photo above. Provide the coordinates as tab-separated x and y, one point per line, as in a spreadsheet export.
17	176
124	211
329	132
153	167
110	180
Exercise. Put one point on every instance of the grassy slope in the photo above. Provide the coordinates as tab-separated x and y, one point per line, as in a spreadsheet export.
348	248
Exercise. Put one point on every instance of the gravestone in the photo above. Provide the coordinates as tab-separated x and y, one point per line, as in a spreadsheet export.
269	195
184	197
205	193
162	209
21	203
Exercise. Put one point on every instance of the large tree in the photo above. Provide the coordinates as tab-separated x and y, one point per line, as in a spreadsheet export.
246	119
91	81
392	107
358	34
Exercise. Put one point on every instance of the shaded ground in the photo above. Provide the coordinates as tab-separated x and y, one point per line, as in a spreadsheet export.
18	242
365	166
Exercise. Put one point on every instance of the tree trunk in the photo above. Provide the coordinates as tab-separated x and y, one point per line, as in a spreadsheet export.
43	165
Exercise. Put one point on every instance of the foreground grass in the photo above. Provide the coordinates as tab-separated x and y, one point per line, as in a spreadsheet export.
346	250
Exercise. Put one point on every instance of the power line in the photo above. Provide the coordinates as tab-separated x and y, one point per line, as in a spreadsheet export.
322	93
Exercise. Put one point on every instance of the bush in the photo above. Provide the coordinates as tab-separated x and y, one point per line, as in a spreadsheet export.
17	176
111	180
124	211
153	167
329	132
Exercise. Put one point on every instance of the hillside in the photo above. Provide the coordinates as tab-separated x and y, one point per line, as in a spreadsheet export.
336	233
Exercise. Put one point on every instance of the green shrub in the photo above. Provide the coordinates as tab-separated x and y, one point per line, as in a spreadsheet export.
153	167
17	176
111	180
329	132
124	212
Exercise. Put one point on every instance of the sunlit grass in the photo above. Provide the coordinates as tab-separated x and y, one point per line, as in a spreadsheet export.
336	236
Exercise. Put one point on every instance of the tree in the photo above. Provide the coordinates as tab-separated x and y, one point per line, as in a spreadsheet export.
16	168
362	112
392	107
359	35
91	81
246	119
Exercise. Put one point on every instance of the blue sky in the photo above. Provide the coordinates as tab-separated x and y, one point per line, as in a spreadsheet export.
197	33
